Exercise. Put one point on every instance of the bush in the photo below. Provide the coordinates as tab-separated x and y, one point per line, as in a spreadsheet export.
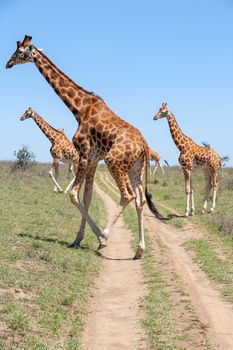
24	158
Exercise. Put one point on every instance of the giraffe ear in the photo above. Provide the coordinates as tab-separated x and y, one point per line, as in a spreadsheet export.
27	39
18	43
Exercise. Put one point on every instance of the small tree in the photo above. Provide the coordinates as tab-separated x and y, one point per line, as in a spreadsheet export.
24	158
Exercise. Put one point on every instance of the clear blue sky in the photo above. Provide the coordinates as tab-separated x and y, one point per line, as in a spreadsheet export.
134	54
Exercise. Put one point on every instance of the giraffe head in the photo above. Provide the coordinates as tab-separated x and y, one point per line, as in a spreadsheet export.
23	53
27	114
162	113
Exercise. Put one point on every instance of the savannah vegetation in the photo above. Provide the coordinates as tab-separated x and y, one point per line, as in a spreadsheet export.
44	286
214	252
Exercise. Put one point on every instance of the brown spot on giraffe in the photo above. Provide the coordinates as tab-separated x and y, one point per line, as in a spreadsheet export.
62	149
127	169
192	155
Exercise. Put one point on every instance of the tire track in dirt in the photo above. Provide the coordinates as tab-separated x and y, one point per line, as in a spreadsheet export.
114	316
213	312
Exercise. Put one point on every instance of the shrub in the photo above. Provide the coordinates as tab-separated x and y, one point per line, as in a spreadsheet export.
24	158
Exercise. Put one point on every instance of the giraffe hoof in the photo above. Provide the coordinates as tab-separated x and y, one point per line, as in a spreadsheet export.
203	211
102	245
74	245
138	254
211	210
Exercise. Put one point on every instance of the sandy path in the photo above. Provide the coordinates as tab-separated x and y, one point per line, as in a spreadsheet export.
212	310
113	320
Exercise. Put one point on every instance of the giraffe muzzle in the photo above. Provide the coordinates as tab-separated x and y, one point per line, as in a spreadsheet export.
10	64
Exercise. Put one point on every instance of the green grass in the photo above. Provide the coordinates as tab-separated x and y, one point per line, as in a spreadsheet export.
214	253
44	286
217	268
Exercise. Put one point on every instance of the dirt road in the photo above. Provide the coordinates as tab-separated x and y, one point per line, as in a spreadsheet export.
113	322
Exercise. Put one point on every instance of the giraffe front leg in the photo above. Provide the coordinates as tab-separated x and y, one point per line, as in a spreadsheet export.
87	196
55	167
187	175
75	199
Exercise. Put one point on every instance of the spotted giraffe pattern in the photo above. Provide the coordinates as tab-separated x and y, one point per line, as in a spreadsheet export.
61	150
192	155
156	157
101	135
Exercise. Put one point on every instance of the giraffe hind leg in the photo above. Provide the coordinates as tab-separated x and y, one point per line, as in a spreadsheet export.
135	175
126	192
214	184
87	195
55	167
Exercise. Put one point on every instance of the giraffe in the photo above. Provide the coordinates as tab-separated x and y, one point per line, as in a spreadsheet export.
156	157
101	134
191	155
62	149
70	170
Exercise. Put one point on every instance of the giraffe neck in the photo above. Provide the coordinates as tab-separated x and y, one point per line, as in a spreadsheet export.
180	139
47	129
77	99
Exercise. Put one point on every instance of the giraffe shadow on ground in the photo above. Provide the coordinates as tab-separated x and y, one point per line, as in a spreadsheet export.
170	216
109	258
52	240
173	215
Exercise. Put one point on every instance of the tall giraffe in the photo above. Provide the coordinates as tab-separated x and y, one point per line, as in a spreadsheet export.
156	157
101	134
191	155
62	149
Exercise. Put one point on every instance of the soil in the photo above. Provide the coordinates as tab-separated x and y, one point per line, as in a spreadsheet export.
114	314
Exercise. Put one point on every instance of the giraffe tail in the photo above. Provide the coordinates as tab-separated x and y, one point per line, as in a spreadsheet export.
149	195
222	163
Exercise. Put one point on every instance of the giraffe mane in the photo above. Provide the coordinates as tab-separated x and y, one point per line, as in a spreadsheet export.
68	78
205	144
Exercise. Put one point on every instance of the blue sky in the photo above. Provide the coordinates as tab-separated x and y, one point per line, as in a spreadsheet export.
134	54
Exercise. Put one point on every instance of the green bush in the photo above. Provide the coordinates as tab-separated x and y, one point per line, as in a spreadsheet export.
24	158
